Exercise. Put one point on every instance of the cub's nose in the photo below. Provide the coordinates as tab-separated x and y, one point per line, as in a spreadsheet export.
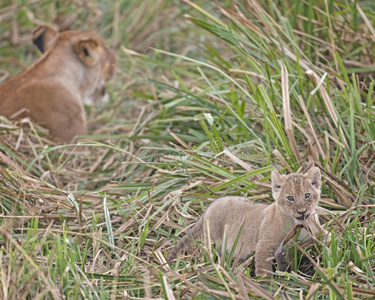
302	211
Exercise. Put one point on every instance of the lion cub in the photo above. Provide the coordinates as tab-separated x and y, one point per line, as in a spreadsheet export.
72	71
265	225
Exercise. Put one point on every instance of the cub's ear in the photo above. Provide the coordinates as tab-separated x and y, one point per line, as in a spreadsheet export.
315	177
277	179
42	37
88	50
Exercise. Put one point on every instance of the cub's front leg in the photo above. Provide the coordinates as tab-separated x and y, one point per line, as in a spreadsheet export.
280	256
264	252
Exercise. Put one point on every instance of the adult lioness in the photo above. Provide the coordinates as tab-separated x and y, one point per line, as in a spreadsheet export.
73	70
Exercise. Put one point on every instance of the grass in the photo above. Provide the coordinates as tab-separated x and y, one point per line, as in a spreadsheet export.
207	100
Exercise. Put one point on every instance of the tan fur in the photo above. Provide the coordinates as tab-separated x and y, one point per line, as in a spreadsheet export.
73	70
265	225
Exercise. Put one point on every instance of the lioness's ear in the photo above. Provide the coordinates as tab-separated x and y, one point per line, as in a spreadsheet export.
315	177
88	51
277	179
42	37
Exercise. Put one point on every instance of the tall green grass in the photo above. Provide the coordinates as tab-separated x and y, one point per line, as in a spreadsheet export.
199	110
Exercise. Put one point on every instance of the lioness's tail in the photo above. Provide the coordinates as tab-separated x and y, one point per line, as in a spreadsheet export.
193	234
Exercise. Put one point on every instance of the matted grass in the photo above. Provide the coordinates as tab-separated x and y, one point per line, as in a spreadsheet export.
207	100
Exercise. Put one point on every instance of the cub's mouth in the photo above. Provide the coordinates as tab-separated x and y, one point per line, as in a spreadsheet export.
304	217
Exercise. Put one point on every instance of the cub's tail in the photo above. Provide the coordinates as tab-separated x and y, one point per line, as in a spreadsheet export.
193	234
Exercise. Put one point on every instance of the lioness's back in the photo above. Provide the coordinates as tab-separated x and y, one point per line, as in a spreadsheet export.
72	71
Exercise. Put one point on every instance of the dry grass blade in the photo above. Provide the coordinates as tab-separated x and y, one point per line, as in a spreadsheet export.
292	234
240	162
314	287
242	287
367	21
287	111
306	113
179	140
254	288
316	80
168	291
281	159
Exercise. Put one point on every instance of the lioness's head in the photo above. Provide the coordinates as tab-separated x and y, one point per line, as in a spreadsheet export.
297	194
88	49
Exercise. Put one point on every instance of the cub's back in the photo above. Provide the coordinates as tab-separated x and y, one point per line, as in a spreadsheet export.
231	207
232	211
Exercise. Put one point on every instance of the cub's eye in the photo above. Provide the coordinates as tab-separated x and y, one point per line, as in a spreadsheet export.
307	195
290	198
